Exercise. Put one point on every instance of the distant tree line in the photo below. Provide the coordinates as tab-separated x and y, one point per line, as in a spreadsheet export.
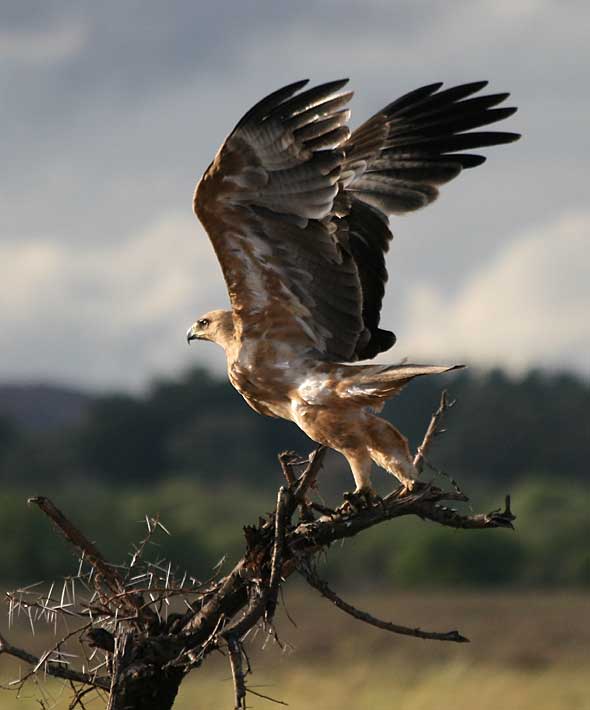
501	430
186	447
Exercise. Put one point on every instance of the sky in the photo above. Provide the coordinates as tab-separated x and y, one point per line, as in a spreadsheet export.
112	110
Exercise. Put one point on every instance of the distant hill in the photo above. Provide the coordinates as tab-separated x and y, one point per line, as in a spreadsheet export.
42	407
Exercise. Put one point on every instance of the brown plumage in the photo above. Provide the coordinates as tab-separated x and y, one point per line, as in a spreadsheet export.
297	207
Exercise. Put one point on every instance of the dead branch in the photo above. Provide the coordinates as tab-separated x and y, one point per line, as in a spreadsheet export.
87	549
265	697
148	654
237	671
287	460
309	476
433	430
89	552
78	695
451	518
52	668
312	578
277	554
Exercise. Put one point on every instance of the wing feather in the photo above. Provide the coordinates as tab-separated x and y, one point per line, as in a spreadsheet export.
266	202
395	163
297	208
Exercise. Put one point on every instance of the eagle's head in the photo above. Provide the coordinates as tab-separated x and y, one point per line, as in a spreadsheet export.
215	326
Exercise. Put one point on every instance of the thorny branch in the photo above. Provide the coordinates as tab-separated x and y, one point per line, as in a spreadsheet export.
148	651
54	668
103	571
79	540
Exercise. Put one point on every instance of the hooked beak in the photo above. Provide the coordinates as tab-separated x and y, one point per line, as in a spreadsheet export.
191	335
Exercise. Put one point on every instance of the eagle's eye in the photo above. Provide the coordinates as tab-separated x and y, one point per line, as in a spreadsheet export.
203	323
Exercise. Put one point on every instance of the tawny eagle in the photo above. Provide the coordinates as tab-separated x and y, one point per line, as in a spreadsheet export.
297	209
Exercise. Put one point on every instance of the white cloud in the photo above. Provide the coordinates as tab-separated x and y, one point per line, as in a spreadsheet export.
106	314
110	315
529	306
108	127
36	46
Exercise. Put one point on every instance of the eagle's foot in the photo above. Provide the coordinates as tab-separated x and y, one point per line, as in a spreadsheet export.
414	486
354	501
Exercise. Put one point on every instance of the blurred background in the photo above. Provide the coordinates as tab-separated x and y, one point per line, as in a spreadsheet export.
110	113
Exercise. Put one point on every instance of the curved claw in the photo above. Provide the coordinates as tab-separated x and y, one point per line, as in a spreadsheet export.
357	500
415	487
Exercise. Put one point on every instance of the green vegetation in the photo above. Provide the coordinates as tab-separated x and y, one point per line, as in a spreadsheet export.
193	452
550	547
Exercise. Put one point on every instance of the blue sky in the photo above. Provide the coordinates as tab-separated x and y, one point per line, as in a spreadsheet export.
112	110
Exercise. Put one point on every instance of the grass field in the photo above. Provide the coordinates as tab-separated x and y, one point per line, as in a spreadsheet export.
528	651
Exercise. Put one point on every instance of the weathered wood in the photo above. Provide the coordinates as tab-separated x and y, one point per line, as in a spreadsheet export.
139	680
148	655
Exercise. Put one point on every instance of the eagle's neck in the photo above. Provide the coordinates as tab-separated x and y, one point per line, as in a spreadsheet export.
225	336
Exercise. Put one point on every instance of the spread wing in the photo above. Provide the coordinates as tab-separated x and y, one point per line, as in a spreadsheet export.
297	208
266	202
395	163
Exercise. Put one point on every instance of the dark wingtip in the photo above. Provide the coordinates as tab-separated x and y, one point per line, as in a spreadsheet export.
296	85
339	83
262	107
477	85
469	160
506	137
381	341
513	137
504	112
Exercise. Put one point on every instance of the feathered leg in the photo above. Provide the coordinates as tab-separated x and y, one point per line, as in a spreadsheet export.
360	465
361	437
389	449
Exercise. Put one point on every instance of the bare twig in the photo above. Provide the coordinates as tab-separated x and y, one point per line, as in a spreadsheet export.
237	671
79	540
277	554
309	476
58	670
151	524
286	459
265	697
103	570
451	518
78	695
433	429
322	587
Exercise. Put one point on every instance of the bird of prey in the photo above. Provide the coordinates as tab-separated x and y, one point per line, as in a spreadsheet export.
297	207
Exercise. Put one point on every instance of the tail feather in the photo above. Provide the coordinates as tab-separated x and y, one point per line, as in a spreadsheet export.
372	385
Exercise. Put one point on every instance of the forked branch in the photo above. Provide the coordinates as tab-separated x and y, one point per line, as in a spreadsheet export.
149	653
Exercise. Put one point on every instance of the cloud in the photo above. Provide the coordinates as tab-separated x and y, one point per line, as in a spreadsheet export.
42	45
529	305
110	116
107	314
